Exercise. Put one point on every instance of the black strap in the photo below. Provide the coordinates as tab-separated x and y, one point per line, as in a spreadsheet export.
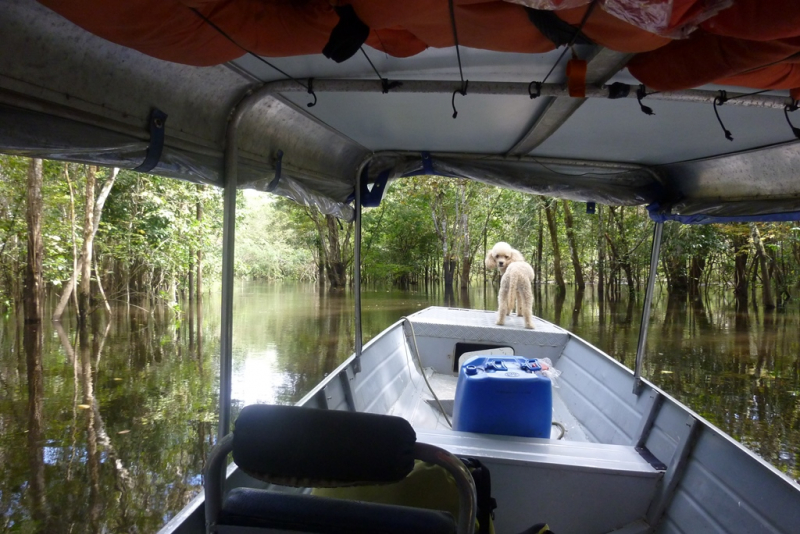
347	36
556	30
483	485
538	92
619	90
387	86
274	182
371	198
157	122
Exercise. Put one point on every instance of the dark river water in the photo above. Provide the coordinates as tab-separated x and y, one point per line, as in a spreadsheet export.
107	430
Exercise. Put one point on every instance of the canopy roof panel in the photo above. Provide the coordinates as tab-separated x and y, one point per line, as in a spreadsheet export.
68	91
617	130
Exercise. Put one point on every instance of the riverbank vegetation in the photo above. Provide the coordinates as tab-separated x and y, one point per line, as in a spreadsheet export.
151	239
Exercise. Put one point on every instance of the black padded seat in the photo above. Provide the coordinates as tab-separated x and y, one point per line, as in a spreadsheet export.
311	448
322	515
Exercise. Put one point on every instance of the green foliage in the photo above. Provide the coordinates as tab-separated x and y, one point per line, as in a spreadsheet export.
398	236
150	235
265	247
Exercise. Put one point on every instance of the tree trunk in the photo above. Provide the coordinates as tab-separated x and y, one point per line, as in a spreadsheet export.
33	270
462	214
625	264
445	234
466	266
573	246
766	282
740	251
601	256
199	255
537	276
80	266
696	266
449	268
337	267
85	287
549	210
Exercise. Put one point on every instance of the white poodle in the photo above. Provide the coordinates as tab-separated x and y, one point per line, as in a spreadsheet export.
515	286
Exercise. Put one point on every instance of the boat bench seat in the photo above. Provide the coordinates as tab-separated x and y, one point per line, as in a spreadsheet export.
566	484
564	454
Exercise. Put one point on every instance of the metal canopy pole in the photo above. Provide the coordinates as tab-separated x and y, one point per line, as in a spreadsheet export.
357	272
648	300
322	85
230	180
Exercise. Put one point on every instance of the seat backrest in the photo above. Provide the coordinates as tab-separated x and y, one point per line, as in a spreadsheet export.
307	447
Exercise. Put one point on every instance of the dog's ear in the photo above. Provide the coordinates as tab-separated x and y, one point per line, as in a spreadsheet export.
516	255
490	262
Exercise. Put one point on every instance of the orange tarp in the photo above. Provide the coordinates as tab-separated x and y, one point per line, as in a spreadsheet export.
750	43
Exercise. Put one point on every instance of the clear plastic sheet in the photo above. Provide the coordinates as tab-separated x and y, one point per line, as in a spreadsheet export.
623	186
655	16
292	189
551	5
33	134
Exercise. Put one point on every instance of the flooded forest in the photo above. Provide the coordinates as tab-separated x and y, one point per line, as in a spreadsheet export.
109	317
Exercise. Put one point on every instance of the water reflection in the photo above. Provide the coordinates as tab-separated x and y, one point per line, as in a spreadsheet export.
107	429
36	436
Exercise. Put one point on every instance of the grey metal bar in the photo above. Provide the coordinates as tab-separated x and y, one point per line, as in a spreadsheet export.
215	481
648	418
675	470
521	89
228	247
602	66
467	495
344	378
357	273
648	300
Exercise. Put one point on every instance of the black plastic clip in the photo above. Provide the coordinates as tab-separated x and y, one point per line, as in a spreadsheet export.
312	93
387	86
620	90
538	92
591	208
641	92
157	123
463	92
718	101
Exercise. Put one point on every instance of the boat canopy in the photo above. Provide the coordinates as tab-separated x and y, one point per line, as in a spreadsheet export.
682	105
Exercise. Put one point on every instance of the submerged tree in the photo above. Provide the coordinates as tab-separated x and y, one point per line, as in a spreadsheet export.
573	246
550	210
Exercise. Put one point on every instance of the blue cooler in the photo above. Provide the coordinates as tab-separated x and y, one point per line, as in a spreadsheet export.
503	395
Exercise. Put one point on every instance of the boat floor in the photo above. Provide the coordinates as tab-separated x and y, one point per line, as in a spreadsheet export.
577	480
